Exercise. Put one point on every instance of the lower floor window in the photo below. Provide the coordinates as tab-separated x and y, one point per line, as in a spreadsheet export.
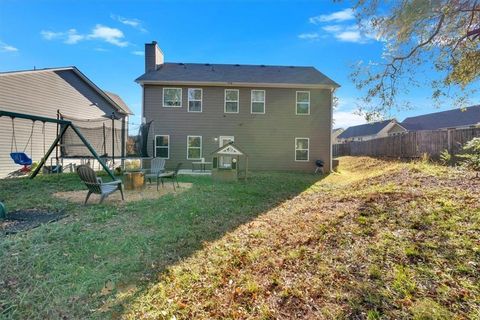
162	146
302	146
194	147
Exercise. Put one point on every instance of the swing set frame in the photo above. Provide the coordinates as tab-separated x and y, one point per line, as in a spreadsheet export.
65	124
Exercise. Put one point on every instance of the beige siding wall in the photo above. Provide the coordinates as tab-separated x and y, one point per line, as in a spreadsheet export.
42	93
268	139
396	129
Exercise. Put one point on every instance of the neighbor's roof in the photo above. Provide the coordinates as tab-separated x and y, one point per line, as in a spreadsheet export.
115	97
236	74
367	129
442	120
114	103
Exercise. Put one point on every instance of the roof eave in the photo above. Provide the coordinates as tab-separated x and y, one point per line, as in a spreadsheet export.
240	84
100	91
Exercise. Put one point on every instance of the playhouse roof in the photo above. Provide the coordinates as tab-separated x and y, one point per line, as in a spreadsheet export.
229	149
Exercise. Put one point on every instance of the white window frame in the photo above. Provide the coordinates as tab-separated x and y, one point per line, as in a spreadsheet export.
201	99
224	137
297	102
264	101
308	149
237	101
163	97
201	147
168	147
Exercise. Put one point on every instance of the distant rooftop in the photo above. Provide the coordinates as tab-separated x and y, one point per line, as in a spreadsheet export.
237	74
119	101
443	120
362	130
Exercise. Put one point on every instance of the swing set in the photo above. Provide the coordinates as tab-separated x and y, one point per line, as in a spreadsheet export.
21	158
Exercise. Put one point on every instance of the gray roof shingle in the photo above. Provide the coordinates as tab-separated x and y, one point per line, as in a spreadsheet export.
361	130
119	101
442	120
236	73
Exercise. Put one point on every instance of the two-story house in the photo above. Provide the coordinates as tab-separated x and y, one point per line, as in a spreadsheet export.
281	116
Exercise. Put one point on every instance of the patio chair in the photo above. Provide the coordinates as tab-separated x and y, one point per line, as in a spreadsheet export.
157	167
96	185
170	175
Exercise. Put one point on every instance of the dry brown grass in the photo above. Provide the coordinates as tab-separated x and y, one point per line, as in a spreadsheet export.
380	239
147	193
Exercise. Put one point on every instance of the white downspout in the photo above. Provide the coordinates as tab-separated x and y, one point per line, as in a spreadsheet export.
331	129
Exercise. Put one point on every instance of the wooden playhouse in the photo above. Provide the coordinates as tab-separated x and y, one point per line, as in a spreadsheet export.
229	163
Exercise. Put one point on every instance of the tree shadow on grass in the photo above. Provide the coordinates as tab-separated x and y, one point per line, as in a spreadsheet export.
206	213
105	248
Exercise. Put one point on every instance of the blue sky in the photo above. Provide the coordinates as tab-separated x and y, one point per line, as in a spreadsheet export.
105	40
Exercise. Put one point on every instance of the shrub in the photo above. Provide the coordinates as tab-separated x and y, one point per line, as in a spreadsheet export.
471	155
445	157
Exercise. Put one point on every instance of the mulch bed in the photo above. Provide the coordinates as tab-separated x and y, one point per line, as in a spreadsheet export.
149	192
23	220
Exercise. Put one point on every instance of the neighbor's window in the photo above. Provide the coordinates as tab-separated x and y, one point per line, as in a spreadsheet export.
162	146
231	100
258	101
172	97
302	149
195	100
194	147
303	102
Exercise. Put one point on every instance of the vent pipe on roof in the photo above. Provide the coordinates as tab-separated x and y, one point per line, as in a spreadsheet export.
153	56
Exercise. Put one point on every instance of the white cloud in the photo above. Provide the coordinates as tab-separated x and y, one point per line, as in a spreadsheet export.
309	36
7	48
72	37
350	36
99	32
138	53
332	28
50	35
338	16
345	119
347	33
132	22
339	25
111	35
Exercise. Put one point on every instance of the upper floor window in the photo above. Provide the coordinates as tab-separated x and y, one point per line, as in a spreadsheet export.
172	97
258	101
194	147
195	100
303	102
302	149
231	100
162	146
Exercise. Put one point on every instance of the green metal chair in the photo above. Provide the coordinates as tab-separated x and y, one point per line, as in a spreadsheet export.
96	185
170	175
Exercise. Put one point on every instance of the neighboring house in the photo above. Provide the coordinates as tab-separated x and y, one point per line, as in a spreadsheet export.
335	133
42	92
280	116
451	119
371	131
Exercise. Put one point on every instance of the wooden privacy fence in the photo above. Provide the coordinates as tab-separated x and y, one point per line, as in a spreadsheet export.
410	144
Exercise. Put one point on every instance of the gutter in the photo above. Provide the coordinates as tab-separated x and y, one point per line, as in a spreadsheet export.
238	84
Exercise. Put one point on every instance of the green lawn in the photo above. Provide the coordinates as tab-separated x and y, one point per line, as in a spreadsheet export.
377	240
78	267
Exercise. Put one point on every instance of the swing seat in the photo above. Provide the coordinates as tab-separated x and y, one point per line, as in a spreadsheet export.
21	158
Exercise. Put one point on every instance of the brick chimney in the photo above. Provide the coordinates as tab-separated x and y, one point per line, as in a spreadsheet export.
153	56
